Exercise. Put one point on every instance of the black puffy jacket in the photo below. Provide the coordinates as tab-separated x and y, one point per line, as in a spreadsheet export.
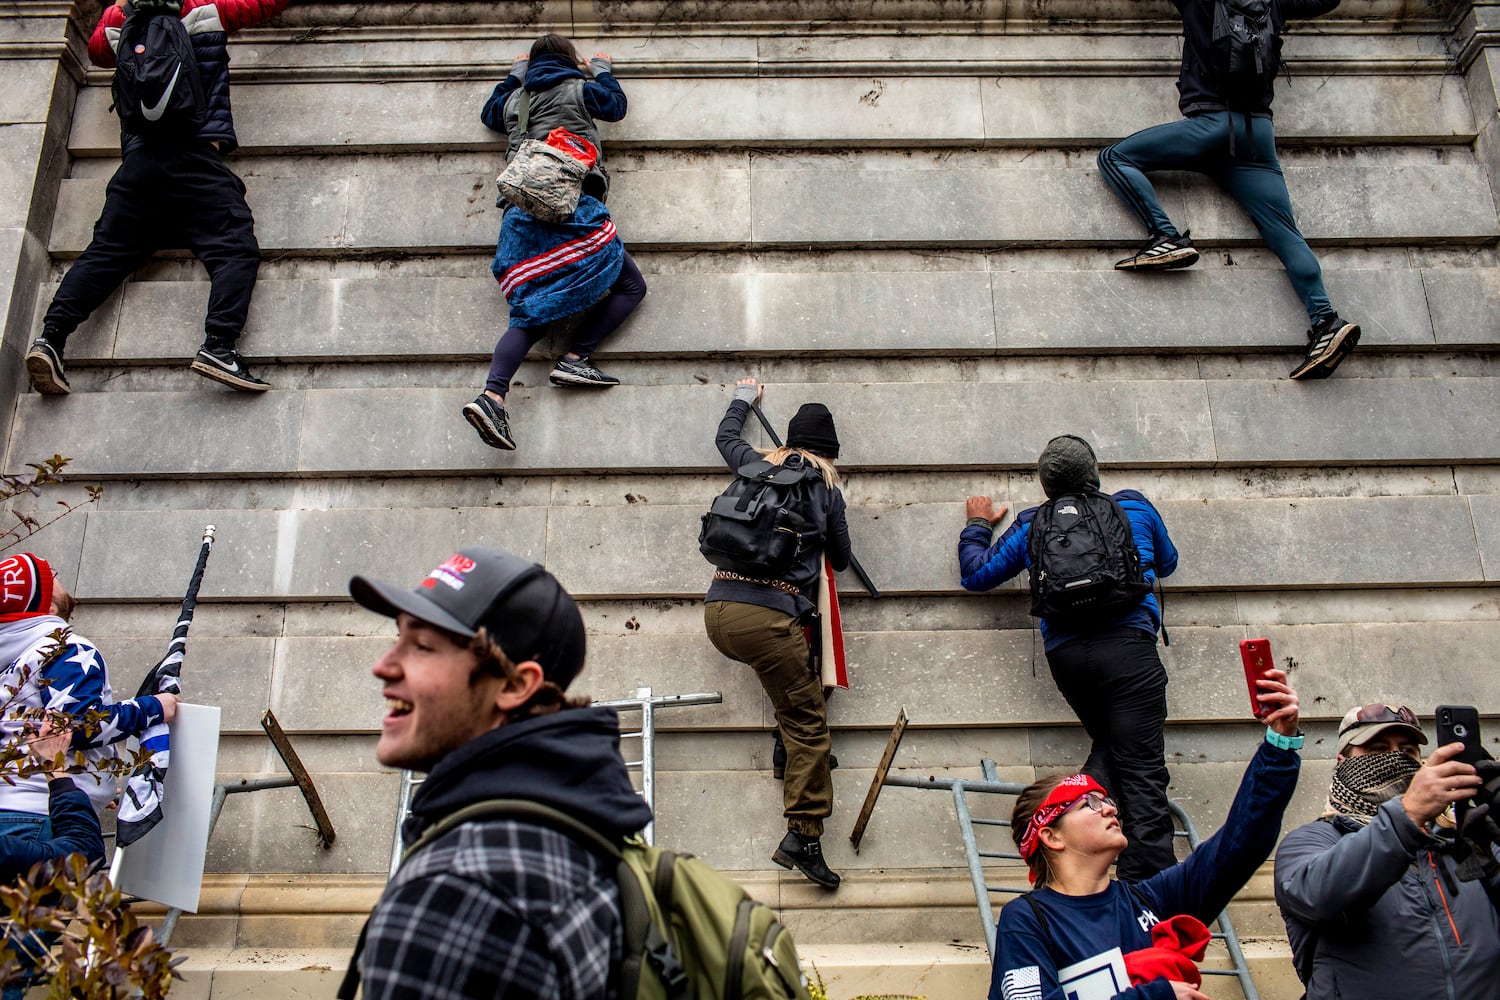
209	24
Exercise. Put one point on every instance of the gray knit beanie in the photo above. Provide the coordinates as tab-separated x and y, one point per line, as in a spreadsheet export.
1067	464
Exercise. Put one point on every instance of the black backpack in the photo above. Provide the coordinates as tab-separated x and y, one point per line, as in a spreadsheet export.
756	527
1244	50
1084	562
158	90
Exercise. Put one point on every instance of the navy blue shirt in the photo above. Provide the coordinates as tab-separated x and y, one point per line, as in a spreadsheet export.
1079	927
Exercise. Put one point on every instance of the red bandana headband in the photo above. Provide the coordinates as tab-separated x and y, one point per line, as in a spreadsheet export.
1070	790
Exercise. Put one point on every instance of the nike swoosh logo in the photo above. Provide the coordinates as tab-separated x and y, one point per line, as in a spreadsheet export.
154	113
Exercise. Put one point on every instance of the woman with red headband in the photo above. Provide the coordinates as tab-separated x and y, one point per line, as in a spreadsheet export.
1079	919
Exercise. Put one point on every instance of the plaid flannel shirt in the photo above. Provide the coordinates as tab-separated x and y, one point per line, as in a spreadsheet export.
496	908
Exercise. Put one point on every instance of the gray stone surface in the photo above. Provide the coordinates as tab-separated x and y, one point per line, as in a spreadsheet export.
906	311
1486	511
944	679
1204	308
1465	305
18	170
27	94
646	550
822	110
1357	420
787	202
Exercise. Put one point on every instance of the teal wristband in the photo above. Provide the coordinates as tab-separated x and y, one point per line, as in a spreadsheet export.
1284	742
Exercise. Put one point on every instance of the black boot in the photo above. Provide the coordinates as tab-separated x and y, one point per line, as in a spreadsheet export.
806	855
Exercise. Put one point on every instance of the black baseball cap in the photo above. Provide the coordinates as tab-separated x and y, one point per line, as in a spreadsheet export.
519	603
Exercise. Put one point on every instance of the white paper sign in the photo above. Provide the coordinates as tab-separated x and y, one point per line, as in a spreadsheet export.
166	865
1101	977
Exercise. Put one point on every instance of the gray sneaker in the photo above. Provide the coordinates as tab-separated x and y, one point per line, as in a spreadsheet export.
488	418
44	365
567	371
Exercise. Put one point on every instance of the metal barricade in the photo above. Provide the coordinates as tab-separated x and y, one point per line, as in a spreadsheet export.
643	702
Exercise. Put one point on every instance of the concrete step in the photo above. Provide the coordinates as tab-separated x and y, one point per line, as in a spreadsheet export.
991	677
900	198
1179	422
1311	543
967	108
854	305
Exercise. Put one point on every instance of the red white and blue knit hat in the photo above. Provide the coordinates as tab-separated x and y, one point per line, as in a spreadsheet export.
25	587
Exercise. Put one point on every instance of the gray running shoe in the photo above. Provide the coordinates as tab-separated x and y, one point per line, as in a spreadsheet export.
580	372
488	418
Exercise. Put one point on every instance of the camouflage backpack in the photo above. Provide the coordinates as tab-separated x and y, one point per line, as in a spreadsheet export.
542	179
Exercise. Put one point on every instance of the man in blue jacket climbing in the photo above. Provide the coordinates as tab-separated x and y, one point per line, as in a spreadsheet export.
1106	664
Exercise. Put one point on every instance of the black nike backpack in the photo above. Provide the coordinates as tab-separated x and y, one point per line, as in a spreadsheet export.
1244	51
757	527
1085	567
158	89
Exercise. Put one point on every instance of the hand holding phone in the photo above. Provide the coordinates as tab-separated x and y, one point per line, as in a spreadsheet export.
1256	656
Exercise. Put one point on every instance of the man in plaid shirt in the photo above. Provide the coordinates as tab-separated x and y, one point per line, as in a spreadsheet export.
475	697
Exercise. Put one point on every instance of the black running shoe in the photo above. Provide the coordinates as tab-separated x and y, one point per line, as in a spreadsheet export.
806	855
1161	253
488	418
1328	344
223	364
569	371
44	365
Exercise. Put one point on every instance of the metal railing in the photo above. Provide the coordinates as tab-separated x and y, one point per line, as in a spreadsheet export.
643	702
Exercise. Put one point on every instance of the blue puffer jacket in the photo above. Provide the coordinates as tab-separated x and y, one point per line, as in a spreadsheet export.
984	566
209	24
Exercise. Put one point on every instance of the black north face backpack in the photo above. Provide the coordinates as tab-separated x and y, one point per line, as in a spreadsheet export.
1245	50
1085	566
756	527
158	90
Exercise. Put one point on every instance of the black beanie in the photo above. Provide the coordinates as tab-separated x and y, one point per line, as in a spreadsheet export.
1067	464
812	430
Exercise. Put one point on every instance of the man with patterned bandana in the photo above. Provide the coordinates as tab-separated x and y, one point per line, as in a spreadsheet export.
1369	890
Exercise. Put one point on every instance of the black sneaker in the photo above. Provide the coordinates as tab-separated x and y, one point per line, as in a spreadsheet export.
44	364
806	855
568	371
1328	344
223	364
488	418
1161	253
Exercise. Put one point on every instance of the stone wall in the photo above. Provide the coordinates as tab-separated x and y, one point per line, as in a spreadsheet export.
889	206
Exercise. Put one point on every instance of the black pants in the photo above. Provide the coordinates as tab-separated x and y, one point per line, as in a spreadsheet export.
1116	684
167	198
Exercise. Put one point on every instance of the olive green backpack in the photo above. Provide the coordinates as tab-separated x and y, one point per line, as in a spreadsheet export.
690	932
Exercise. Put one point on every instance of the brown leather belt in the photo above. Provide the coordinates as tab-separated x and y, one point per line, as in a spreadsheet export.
724	574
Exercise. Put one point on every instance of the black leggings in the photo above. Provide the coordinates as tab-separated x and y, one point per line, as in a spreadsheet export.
624	295
1115	682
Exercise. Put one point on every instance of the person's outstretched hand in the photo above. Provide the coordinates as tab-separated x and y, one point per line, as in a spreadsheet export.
1282	699
984	507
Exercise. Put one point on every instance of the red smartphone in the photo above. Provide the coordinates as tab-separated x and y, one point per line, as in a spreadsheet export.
1256	654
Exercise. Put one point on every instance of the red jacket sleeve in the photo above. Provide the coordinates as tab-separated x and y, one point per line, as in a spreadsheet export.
101	51
237	14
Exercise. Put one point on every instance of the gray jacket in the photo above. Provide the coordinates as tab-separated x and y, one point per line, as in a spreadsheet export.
1378	911
560	107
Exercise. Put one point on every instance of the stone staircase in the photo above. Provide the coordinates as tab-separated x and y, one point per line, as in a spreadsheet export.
889	206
